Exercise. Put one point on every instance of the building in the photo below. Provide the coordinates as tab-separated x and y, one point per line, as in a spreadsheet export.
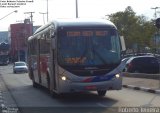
35	28
18	34
4	53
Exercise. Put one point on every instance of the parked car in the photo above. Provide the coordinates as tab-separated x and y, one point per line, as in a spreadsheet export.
142	64
20	67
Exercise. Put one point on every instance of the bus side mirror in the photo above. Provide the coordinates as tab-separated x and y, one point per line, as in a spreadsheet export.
123	46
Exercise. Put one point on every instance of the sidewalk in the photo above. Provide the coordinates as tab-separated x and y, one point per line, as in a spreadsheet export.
149	85
7	103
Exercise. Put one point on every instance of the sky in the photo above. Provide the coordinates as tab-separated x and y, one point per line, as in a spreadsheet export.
66	9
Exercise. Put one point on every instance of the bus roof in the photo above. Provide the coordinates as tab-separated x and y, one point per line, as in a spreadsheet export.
77	22
83	22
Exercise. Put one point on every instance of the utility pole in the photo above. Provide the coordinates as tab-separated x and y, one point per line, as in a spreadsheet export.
43	16
47	10
157	23
155	8
31	16
76	8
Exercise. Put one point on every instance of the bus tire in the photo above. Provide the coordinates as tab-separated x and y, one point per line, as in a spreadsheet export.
48	82
53	94
35	85
101	92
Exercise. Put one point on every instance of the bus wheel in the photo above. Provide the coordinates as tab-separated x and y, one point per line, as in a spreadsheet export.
35	85
101	92
48	81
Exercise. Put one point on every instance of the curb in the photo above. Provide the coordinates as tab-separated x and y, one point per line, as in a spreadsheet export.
142	89
5	105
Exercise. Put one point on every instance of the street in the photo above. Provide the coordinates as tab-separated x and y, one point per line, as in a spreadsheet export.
27	98
79	56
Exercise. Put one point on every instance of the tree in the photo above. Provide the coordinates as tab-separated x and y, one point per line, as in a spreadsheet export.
135	29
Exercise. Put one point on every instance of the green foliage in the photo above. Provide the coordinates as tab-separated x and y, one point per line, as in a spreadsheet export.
135	29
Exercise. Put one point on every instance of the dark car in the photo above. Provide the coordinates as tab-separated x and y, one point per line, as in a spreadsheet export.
142	64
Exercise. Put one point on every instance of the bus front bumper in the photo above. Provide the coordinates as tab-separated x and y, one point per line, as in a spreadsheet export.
67	86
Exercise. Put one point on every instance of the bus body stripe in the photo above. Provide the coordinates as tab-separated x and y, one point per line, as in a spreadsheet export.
100	78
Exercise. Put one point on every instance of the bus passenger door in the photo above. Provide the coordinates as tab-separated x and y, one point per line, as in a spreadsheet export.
38	63
54	86
53	65
34	60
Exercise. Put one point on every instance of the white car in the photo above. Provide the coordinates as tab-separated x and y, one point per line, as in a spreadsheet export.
20	67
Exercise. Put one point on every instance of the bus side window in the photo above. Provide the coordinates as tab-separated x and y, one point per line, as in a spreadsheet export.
45	44
32	47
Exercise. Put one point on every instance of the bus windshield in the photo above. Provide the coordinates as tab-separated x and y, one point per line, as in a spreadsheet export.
88	47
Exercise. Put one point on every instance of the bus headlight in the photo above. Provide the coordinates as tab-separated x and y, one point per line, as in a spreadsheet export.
63	78
117	75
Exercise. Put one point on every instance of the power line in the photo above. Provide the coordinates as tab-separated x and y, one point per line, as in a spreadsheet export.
9	14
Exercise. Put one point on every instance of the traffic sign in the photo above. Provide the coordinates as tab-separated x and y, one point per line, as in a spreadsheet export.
158	23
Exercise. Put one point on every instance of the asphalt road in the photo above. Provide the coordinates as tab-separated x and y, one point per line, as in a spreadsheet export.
38	100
